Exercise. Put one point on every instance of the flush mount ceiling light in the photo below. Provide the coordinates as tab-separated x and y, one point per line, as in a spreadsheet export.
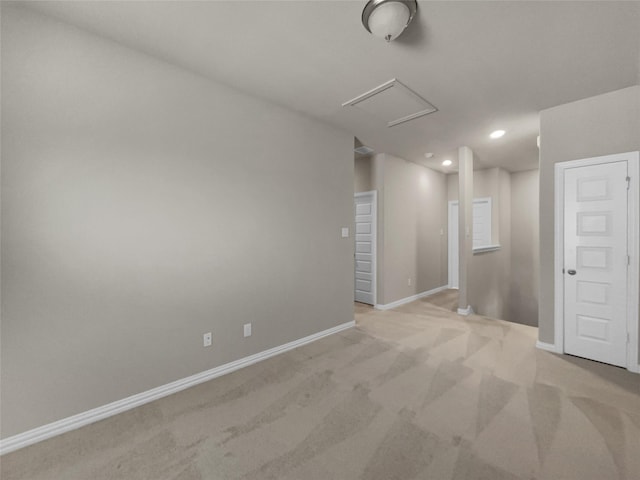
497	134
388	18
446	163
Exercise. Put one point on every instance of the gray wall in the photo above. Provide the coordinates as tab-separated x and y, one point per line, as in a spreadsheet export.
601	125
414	214
525	248
504	283
489	272
452	187
143	206
363	181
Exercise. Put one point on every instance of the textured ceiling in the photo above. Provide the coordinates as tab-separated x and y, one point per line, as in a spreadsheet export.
484	65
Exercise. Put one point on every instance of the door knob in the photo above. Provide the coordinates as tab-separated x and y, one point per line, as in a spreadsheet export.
571	272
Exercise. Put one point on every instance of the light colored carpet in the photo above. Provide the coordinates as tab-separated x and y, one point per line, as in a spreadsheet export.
412	393
447	299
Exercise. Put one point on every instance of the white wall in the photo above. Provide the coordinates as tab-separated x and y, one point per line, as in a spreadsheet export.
143	206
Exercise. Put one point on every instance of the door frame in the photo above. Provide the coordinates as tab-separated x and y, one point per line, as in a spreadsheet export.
633	232
374	243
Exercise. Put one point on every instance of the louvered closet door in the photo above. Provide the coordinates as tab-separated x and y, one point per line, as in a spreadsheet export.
365	248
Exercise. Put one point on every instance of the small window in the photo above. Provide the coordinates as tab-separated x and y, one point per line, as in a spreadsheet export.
481	222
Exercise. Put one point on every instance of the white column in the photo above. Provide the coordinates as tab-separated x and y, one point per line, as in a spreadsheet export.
465	224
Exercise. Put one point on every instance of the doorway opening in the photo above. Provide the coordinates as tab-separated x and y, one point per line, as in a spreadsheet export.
365	207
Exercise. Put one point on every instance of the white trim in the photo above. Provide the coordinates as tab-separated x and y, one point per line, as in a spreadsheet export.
412	298
549	347
466	311
486	248
633	250
489	202
374	243
429	107
59	427
475	250
558	263
633	229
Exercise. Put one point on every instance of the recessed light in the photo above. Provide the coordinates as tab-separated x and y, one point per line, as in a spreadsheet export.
497	134
428	155
446	163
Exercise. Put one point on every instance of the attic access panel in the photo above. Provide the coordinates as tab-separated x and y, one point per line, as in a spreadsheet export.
394	102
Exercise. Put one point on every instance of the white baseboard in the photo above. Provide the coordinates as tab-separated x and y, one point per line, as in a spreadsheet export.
59	427
466	311
549	347
412	298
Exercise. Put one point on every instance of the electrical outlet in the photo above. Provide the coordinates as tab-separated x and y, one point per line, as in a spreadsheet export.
247	329
206	339
409	281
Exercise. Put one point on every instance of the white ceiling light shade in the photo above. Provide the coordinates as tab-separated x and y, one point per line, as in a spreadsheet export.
446	163
388	18
497	134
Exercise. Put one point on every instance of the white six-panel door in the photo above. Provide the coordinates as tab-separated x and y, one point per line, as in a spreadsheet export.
365	247
595	262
